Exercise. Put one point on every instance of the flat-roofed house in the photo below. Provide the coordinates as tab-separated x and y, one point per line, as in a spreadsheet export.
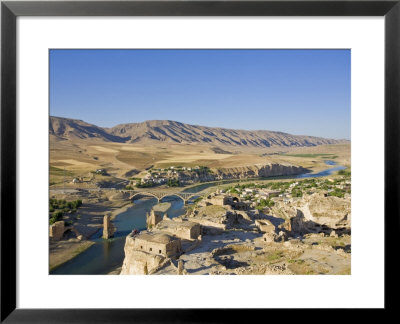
158	243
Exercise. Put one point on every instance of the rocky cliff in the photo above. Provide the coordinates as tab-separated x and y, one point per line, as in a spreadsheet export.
256	171
315	214
140	262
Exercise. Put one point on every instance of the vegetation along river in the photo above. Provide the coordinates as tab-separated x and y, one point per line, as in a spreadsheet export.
107	255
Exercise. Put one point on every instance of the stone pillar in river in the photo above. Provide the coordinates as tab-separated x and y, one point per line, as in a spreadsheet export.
181	269
108	227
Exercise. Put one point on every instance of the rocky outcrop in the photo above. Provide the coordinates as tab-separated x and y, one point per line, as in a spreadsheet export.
142	263
148	252
330	211
240	172
315	213
258	171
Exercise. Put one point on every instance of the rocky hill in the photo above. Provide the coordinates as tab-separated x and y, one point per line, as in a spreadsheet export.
175	132
66	128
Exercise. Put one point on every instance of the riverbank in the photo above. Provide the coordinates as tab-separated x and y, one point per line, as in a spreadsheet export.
106	256
66	251
87	221
120	210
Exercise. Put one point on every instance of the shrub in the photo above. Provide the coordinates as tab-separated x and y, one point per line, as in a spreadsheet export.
344	172
337	193
265	203
56	216
297	193
173	183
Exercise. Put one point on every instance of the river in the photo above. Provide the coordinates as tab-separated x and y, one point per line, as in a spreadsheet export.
106	255
325	172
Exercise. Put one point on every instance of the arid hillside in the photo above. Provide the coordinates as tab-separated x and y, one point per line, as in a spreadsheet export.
66	128
129	150
166	131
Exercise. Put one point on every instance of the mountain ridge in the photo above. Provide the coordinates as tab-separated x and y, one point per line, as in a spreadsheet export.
174	132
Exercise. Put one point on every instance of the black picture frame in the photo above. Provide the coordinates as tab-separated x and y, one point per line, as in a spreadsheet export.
10	10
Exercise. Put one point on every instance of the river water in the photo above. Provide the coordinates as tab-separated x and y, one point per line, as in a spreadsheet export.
323	173
107	255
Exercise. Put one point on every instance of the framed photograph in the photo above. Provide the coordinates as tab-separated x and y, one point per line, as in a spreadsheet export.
200	150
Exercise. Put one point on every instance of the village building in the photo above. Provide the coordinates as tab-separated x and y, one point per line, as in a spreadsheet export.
158	244
184	229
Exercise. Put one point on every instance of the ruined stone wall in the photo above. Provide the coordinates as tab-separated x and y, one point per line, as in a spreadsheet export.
154	218
195	232
188	232
108	227
265	226
209	227
57	230
169	249
220	200
174	248
150	247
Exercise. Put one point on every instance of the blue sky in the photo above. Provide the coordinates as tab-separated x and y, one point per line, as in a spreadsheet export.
302	92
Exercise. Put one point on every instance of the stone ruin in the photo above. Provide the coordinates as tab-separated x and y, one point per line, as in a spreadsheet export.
108	227
57	230
264	225
180	270
147	252
220	200
183	229
157	214
153	218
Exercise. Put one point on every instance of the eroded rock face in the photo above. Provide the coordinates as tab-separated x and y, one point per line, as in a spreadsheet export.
108	227
316	213
147	255
333	212
142	263
255	171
